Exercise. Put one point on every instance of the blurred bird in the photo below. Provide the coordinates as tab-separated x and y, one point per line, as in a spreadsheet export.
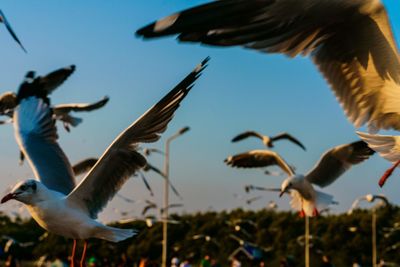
253	199
351	43
55	202
330	167
149	151
369	198
150	205
4	20
268	141
150	167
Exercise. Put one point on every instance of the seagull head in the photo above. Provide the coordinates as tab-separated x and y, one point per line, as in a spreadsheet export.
289	183
24	192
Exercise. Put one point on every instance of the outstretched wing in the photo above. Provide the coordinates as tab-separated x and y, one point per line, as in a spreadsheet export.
337	161
387	146
247	134
288	137
121	159
66	108
54	79
36	136
257	159
10	30
351	42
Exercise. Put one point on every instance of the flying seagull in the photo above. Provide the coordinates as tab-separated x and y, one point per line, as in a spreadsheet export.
56	202
351	43
330	167
268	141
4	20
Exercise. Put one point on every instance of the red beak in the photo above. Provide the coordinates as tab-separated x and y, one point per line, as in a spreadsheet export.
7	197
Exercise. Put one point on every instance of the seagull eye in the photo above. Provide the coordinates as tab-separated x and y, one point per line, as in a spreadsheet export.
23	187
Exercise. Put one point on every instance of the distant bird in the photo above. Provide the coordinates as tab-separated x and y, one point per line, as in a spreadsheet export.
388	148
62	112
124	198
253	199
171	206
56	203
150	167
268	141
272	205
249	188
149	151
364	73
369	198
4	20
330	167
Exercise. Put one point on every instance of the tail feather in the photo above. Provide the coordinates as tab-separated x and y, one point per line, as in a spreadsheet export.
309	207
113	234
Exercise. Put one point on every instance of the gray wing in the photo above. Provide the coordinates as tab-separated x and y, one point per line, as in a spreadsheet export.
257	159
247	134
337	161
351	42
121	158
54	79
288	137
66	108
84	166
36	136
10	30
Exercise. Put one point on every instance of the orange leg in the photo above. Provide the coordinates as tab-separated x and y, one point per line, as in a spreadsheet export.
73	254
315	212
387	174
83	259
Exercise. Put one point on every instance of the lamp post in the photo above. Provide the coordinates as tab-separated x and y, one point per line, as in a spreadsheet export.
166	193
383	202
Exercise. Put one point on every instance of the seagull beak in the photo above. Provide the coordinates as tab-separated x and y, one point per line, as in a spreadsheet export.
281	193
8	197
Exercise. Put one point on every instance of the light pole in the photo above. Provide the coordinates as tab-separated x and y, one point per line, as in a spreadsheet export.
307	245
166	194
383	202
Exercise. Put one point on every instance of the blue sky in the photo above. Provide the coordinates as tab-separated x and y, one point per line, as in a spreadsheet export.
239	90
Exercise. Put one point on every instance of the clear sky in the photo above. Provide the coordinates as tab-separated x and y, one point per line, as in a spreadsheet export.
240	90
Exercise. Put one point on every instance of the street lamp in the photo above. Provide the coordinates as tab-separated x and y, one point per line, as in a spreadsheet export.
383	201
166	193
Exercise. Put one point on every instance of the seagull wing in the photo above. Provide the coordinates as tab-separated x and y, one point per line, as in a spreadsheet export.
387	146
36	136
337	161
11	31
121	158
246	135
288	137
84	166
351	42
8	101
257	159
54	79
66	108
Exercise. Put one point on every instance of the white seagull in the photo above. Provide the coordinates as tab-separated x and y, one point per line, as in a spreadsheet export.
330	167
55	202
4	20
268	141
350	41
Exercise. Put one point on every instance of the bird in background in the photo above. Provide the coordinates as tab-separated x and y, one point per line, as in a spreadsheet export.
268	141
331	166
369	198
4	20
54	200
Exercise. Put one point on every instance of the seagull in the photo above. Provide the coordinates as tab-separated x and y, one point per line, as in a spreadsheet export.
268	141
150	205
388	148
4	20
253	199
149	151
55	202
62	112
369	198
330	167
351	43
150	167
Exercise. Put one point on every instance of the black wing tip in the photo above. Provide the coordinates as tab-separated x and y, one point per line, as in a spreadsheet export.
360	144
